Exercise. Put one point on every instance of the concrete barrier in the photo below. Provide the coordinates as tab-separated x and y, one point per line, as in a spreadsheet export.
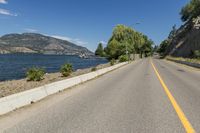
196	65
21	99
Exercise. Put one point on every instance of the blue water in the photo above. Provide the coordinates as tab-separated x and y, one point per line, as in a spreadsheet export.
14	66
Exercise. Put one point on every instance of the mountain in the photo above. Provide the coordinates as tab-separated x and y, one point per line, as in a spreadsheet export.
186	40
37	43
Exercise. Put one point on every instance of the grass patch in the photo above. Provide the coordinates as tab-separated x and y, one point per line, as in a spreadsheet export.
192	60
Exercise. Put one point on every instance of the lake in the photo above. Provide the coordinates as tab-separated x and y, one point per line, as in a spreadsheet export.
14	66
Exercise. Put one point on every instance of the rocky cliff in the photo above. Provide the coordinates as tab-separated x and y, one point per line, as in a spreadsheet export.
186	40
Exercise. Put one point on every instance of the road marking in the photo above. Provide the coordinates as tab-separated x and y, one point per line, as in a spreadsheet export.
188	127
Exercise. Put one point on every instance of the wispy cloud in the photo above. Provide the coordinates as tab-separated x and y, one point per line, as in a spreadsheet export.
3	2
7	12
76	40
61	37
30	30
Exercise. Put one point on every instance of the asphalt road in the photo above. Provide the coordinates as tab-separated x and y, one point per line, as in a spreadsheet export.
128	100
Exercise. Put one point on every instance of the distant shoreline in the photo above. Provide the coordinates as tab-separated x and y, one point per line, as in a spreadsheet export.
15	65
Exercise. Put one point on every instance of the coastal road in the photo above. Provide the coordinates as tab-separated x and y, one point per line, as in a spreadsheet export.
128	100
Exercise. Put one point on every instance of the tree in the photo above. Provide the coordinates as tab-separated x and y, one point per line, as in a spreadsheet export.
100	50
163	47
190	11
172	33
112	49
126	39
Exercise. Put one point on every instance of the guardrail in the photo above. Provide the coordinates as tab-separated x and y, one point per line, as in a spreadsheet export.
12	102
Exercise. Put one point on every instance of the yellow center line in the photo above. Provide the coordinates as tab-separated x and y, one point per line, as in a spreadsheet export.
188	127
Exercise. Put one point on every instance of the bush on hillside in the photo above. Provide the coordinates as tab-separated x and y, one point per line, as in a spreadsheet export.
196	54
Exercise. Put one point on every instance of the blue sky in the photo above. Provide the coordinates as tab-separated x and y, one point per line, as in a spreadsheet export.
88	22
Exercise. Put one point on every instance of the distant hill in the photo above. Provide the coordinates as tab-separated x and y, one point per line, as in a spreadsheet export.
37	43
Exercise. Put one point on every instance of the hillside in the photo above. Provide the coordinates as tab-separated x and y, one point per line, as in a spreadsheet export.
186	40
37	43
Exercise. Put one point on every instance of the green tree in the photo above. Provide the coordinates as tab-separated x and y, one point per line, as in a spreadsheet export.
172	33
163	47
100	50
124	39
112	49
190	11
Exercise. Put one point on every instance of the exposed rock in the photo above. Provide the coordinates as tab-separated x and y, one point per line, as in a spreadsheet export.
186	41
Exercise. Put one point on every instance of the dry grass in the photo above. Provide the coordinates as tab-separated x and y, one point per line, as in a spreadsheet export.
15	86
192	60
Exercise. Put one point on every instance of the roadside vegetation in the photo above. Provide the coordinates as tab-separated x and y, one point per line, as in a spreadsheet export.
15	86
162	49
123	58
188	13
112	62
93	69
100	51
193	60
35	74
196	54
124	42
66	70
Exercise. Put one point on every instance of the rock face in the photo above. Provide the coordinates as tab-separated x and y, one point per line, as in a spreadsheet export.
37	43
186	41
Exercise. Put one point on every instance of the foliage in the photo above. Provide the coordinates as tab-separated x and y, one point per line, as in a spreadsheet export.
35	74
196	54
112	62
112	49
183	59
100	50
125	40
123	58
190	11
93	69
164	44
163	47
66	69
172	33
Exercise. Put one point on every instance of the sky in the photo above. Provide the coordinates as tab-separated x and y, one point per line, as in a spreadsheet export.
88	22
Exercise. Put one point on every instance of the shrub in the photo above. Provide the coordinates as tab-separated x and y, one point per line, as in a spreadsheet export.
66	69
35	74
112	62
123	58
196	54
93	69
